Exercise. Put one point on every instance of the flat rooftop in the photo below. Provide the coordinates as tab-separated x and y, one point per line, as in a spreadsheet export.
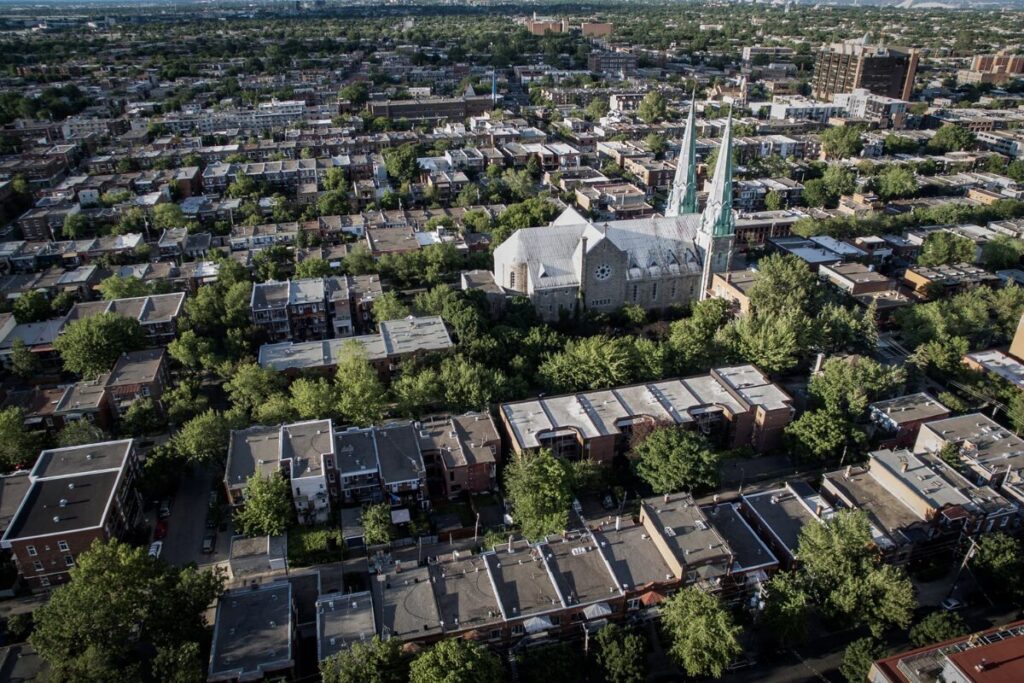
581	574
685	530
252	450
343	619
522	581
634	559
910	408
137	367
981	439
858	489
785	511
13	488
1001	365
252	634
749	552
464	593
403	600
85	459
398	453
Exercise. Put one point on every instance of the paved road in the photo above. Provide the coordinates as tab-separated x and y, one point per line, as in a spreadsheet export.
187	523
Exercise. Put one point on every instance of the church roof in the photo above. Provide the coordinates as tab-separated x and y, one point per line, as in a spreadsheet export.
654	245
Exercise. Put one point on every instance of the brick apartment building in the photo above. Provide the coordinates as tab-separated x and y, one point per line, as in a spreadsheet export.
77	495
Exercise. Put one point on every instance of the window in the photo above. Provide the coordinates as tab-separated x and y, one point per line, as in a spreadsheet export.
654	291
673	295
63	546
518	630
69	561
577	617
330	477
31	549
636	291
44	582
328	462
511	279
451	476
633	603
38	566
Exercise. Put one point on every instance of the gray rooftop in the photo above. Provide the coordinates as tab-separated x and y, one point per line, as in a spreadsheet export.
403	602
522	581
343	619
632	555
137	367
686	531
256	449
398	453
785	511
748	551
580	572
981	440
463	591
253	633
356	450
13	488
910	408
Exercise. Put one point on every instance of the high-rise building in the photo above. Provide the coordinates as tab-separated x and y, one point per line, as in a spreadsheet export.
883	70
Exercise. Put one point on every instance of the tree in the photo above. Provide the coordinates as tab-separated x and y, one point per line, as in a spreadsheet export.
456	661
787	607
251	384
704	638
621	653
373	661
117	287
90	346
180	664
655	143
414	391
821	434
356	93
119	610
75	225
312	268
469	385
362	398
1002	252
377	524
80	432
860	654
539	489
597	108
18	446
401	163
846	386
944	248
333	203
276	409
313	398
31	307
997	562
653	107
675	459
841	142
691	340
896	182
950	138
388	307
267	506
184	402
24	363
142	417
167	216
193	351
589	363
773	201
771	342
838	180
845	575
132	221
937	627
784	282
204	438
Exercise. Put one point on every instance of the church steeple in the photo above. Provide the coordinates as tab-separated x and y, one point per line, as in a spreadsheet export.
717	219
683	197
717	224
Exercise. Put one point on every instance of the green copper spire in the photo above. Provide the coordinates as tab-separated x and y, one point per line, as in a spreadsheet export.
683	197
717	219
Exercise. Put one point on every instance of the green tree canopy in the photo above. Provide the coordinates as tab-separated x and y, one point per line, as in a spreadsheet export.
373	661
456	661
539	489
204	438
90	346
31	307
673	459
943	248
859	656
362	398
1002	252
841	142
621	654
704	637
121	616
18	446
377	524
951	138
117	287
389	307
267	506
937	627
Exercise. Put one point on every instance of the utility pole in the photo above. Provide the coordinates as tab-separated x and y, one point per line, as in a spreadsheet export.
967	556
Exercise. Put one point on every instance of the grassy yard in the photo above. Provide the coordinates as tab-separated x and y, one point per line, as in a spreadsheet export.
308	545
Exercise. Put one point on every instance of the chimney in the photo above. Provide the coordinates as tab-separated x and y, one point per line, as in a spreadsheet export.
618	522
904	465
846	474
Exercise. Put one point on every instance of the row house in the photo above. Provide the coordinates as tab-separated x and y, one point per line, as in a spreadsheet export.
735	406
135	376
157	314
314	308
917	501
77	495
382	463
460	452
396	341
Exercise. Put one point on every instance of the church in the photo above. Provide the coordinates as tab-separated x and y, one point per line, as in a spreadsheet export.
575	265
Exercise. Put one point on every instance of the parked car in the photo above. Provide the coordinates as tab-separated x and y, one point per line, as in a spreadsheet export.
154	550
161	530
951	604
211	522
165	509
209	541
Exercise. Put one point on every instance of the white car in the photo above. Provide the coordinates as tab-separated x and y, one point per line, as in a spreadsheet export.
951	604
154	550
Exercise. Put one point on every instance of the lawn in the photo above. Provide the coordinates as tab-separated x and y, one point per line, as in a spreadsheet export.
308	545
